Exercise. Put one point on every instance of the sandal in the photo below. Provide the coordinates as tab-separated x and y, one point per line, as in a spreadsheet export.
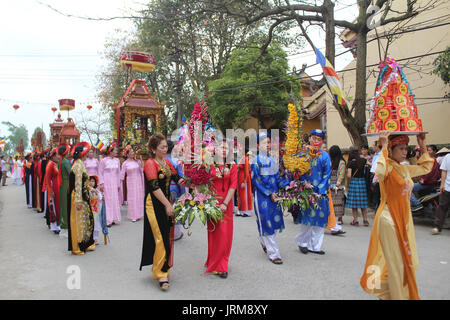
164	285
276	261
366	223
354	223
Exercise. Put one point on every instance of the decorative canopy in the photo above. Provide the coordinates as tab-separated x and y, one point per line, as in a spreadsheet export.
68	132
66	104
137	102
135	60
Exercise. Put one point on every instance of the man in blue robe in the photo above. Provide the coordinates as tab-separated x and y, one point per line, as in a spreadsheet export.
266	182
314	221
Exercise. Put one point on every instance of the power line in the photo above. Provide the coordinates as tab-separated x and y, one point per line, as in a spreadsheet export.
316	75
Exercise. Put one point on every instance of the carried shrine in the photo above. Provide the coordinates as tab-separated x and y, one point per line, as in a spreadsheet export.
55	131
69	133
138	113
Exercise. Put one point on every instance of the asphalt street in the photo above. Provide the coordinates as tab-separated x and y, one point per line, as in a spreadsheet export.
35	263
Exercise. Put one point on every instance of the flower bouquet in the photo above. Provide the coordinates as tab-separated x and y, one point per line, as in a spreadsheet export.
199	203
298	193
202	206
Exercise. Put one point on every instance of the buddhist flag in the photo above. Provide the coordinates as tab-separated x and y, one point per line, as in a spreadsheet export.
331	76
2	144
99	145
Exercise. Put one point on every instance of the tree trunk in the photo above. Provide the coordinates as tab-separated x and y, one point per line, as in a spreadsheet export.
359	105
328	14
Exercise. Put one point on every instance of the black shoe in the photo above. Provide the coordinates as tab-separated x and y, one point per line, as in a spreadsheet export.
336	233
303	249
317	252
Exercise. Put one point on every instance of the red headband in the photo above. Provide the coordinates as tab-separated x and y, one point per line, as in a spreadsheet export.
85	146
397	140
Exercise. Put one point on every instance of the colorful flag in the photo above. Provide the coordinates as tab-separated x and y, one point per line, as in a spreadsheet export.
99	145
331	76
2	144
184	120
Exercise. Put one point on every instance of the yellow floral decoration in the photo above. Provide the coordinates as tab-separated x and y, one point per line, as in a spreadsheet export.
292	162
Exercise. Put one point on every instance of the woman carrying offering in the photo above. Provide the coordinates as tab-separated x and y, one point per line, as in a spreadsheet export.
392	253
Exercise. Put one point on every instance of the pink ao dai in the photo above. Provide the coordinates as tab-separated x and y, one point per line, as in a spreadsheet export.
109	176
91	166
135	188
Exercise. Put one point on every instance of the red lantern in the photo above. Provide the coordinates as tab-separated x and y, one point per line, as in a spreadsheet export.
89	107
16	106
54	109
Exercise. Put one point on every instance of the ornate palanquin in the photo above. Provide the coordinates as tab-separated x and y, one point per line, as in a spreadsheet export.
69	133
136	107
55	131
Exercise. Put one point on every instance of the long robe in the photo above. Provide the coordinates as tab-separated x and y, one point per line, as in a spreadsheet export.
28	183
44	199
51	186
80	222
266	180
64	195
319	178
135	187
392	261
109	176
244	194
220	234
91	166
157	247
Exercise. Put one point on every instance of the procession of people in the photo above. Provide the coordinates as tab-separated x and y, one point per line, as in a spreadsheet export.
68	184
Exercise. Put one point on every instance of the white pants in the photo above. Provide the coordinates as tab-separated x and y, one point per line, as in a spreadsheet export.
53	225
271	245
310	237
45	203
244	213
336	228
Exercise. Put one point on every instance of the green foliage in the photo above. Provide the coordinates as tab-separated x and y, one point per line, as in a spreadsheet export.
16	133
441	64
229	108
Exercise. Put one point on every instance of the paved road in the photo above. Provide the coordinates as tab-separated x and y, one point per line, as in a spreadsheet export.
34	263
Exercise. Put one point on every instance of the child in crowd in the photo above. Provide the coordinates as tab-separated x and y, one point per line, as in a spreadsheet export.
96	202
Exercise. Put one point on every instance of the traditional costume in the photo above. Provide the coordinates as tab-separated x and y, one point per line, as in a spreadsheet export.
313	221
392	253
51	187
81	222
220	234
18	172
28	180
135	188
63	181
244	190
91	166
44	198
157	248
266	181
109	177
